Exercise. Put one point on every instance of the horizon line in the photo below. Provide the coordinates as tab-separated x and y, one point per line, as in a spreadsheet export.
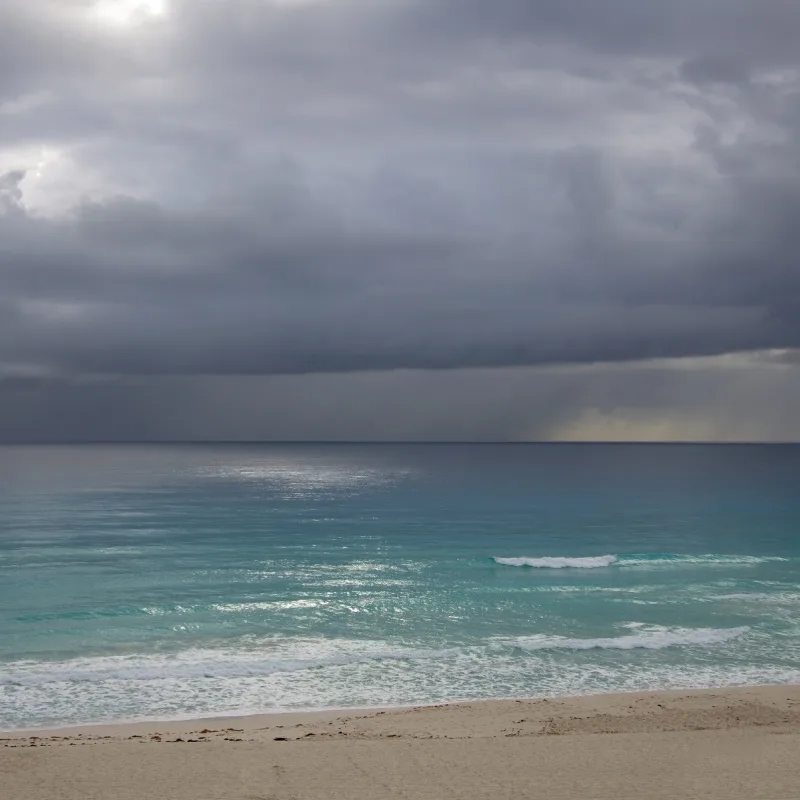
511	442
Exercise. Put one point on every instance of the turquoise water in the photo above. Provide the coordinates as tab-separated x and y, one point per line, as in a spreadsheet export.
148	582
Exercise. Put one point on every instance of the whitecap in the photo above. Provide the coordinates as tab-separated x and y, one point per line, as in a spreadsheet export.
647	638
558	562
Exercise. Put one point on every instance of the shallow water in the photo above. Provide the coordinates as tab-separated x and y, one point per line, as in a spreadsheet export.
173	581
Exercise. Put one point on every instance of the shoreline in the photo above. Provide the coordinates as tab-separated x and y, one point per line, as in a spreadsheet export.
262	717
282	719
733	743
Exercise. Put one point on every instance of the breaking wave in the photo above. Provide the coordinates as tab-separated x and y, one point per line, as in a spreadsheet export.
634	560
206	663
589	562
652	638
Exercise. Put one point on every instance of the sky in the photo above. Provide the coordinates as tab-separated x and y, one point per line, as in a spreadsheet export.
399	219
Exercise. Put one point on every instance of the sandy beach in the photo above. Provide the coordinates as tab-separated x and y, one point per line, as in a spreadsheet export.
726	744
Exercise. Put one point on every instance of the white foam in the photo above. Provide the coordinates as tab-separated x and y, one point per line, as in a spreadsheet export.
647	638
702	559
639	560
773	597
366	674
267	658
558	562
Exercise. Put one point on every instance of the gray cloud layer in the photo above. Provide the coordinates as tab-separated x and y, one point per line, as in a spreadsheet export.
256	187
720	399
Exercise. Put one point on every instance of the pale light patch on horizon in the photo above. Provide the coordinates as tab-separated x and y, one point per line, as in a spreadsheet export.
726	361
651	425
730	387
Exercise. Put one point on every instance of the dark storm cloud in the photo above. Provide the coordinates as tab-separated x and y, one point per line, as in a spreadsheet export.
749	399
254	187
766	30
715	69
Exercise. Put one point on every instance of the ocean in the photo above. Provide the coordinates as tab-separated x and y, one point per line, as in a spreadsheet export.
174	581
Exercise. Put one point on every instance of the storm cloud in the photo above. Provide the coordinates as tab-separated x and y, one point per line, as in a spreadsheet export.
294	187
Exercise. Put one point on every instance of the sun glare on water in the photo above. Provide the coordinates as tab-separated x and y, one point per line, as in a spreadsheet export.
124	13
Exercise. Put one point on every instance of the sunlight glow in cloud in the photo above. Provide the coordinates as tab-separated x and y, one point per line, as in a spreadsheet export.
124	13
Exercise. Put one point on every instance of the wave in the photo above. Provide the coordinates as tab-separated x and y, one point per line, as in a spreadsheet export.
206	663
282	675
703	559
634	560
266	658
588	562
313	656
654	638
310	663
789	598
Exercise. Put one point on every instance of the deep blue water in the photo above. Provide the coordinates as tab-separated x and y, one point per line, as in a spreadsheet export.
173	581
